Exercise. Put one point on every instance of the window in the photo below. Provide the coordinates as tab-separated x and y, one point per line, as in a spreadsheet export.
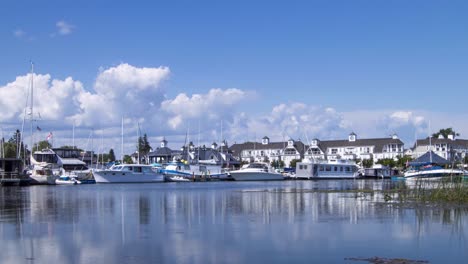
137	169
335	168
334	151
321	168
327	168
347	169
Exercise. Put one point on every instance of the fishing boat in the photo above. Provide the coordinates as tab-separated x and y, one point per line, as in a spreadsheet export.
128	173
256	171
327	169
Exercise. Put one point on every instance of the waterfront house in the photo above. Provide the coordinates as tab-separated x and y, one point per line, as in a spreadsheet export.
450	148
354	148
266	151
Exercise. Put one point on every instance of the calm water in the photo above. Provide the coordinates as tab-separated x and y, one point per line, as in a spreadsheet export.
221	222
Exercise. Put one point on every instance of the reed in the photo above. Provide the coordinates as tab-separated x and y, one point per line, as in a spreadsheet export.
451	190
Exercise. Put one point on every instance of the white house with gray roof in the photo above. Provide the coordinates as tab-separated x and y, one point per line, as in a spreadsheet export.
449	148
354	148
266	151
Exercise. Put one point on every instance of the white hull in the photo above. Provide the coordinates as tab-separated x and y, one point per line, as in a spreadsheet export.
110	176
43	179
67	182
256	176
433	174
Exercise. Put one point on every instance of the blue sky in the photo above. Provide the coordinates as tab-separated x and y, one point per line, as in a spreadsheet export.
381	66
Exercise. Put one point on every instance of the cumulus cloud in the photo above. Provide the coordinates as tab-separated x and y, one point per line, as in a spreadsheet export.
217	104
120	91
64	28
294	120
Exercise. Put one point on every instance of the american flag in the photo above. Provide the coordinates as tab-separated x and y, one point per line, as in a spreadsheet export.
49	136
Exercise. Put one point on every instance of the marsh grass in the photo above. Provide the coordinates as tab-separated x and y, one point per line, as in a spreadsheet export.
452	190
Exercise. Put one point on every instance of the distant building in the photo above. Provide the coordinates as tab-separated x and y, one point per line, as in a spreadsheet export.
162	154
354	148
351	149
449	148
266	151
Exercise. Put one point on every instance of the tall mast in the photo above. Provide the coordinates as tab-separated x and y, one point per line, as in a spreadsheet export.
32	106
121	146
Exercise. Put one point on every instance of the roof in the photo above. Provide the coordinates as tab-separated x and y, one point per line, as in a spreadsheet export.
456	142
236	149
165	151
379	143
429	157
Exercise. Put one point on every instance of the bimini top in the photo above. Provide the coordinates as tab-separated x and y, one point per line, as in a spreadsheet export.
429	158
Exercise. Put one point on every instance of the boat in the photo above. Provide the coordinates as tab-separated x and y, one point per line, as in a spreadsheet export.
327	169
176	178
127	173
256	171
67	180
379	171
197	172
63	162
42	174
428	170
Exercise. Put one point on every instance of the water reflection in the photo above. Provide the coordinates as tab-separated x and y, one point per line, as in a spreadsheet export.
218	222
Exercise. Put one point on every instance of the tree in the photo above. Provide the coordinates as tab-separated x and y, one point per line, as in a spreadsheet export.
402	161
127	159
44	144
387	162
293	162
10	148
367	163
143	146
445	132
111	155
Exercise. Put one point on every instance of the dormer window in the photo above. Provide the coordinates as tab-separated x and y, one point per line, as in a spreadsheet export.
314	142
290	143
352	137
265	141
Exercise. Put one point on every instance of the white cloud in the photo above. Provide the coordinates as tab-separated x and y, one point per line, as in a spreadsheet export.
120	91
19	33
216	105
137	94
294	120
64	28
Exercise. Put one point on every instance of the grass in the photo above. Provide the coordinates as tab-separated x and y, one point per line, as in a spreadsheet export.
450	190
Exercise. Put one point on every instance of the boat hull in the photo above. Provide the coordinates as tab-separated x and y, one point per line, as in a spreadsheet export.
433	174
256	176
108	176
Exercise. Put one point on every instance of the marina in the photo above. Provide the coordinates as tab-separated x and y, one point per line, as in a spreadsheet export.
223	222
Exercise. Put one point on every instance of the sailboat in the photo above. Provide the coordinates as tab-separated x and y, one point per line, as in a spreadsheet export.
41	171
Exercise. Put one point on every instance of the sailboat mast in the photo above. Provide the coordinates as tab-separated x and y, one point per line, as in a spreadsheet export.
122	144
32	106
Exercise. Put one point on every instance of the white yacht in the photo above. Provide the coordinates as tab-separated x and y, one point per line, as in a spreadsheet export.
128	173
430	171
327	169
256	172
62	162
